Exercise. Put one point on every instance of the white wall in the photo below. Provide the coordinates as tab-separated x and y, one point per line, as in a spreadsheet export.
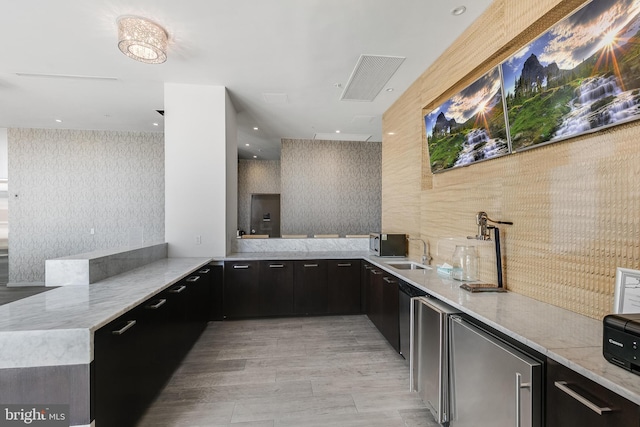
232	171
196	171
4	154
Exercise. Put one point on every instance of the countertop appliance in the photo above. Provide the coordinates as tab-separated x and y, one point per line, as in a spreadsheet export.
428	366
492	383
620	340
406	294
388	245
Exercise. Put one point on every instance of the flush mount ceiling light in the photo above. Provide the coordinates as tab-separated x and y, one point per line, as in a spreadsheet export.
142	40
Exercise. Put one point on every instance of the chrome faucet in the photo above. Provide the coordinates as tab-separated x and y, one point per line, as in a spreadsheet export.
426	258
484	230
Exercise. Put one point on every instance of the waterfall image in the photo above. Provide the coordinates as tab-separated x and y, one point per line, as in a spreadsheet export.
468	127
576	77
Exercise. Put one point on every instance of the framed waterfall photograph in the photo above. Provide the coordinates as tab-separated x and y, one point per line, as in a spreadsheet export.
626	298
469	126
580	76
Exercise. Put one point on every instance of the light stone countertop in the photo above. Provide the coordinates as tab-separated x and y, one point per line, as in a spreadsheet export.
56	327
569	338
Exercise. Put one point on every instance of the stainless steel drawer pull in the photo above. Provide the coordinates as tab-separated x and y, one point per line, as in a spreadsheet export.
311	265
562	385
388	280
193	279
157	305
204	271
276	265
178	290
344	265
238	267
368	267
376	272
125	328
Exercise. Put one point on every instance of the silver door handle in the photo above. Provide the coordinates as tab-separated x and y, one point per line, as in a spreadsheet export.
276	265
178	290
388	280
193	279
311	265
239	267
519	386
125	328
562	385
376	272
344	265
204	271
157	305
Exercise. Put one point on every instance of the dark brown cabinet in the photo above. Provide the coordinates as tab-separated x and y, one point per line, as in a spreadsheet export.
382	304
311	291
343	277
242	296
136	354
276	288
576	401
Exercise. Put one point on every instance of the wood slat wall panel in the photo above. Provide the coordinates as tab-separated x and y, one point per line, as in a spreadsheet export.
575	204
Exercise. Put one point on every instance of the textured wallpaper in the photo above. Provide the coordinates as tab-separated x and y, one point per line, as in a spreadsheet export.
64	183
255	177
330	187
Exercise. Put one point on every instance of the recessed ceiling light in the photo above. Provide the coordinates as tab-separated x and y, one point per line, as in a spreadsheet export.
389	89
458	10
337	131
255	128
58	121
255	157
155	124
246	145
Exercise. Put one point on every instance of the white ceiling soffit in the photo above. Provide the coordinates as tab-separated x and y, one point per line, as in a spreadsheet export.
341	137
370	75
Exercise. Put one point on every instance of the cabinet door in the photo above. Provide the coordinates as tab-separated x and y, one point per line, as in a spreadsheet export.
276	288
344	286
311	292
364	286
575	401
390	311
119	374
241	289
375	298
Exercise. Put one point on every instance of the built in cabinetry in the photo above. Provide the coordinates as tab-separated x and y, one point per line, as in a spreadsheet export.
382	304
576	401
135	354
284	288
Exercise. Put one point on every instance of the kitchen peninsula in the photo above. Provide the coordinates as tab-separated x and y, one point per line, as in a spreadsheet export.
52	334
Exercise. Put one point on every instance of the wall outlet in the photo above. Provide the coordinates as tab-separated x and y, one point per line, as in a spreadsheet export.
198	240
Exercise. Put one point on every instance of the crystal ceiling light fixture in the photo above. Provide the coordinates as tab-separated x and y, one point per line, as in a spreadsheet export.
142	40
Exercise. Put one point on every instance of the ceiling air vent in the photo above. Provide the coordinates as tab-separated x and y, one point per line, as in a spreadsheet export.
371	74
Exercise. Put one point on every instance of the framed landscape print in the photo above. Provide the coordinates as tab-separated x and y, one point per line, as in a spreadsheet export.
583	74
468	127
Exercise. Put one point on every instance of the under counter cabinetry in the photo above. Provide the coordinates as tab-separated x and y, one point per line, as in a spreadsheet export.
382	305
136	354
576	401
298	287
311	290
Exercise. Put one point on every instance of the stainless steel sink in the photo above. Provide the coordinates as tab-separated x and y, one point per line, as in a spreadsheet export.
408	265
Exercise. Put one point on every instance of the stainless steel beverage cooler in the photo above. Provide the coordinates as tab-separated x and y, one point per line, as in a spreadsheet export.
492	383
429	367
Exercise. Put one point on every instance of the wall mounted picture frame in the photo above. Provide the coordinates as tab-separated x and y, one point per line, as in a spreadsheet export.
470	126
580	76
626	297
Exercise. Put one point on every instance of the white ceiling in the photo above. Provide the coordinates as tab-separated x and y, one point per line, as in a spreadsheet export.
301	48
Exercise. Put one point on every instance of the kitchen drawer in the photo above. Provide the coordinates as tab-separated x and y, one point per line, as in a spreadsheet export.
576	401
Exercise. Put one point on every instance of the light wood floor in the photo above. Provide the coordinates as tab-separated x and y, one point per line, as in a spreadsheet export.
316	372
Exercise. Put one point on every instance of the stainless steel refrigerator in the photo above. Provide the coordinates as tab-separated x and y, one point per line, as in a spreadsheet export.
492	383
